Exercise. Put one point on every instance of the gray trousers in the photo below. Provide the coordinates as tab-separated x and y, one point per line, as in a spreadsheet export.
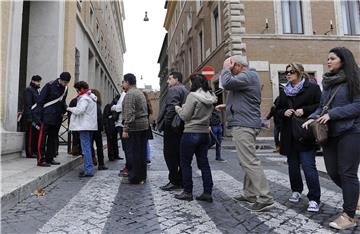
255	183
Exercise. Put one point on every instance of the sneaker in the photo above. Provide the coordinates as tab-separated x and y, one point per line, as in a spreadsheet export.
220	160
295	197
313	206
184	196
82	174
53	162
257	206
343	222
241	198
205	197
148	162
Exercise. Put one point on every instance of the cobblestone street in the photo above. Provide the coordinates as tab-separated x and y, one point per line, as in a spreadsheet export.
102	204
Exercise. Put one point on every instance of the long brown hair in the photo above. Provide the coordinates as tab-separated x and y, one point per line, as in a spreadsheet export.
98	95
148	102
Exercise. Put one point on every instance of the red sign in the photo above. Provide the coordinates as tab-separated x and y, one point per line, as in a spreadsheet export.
208	72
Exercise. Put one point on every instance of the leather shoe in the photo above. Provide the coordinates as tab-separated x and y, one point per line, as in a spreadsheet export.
119	158
169	187
184	196
43	164
31	156
53	162
101	168
205	197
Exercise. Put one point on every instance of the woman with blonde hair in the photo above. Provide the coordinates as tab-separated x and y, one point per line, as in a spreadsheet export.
297	101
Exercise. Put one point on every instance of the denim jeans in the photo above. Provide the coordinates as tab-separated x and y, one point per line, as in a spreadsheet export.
307	161
217	133
148	156
190	144
85	141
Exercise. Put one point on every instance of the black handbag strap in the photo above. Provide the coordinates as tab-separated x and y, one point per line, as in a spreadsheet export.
326	107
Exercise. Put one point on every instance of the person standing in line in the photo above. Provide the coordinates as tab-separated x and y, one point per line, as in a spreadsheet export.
196	113
176	96
118	109
31	96
149	132
48	113
97	135
84	120
216	134
277	125
342	150
75	138
299	99
110	130
136	125
243	116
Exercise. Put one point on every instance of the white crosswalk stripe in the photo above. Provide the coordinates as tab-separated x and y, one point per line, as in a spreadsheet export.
177	211
282	219
88	210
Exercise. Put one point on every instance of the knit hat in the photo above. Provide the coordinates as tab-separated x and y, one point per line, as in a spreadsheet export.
36	78
65	76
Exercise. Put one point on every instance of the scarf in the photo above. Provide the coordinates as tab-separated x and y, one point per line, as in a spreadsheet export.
83	92
293	91
330	79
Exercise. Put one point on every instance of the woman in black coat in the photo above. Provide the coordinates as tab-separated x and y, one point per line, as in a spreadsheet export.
298	100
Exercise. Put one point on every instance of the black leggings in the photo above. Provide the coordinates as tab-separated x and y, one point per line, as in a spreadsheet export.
342	156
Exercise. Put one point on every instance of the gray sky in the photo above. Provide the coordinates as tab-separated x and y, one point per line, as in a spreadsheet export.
143	39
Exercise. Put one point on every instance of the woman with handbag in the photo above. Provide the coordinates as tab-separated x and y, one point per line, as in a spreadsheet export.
297	101
342	149
196	112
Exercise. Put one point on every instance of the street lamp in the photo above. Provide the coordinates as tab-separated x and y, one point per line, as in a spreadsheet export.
146	17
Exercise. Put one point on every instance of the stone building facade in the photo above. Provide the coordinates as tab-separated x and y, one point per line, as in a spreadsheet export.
270	34
85	38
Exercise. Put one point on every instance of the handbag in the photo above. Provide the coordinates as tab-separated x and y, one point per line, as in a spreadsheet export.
319	130
177	124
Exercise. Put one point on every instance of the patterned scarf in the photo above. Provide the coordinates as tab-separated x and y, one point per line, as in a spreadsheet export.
293	91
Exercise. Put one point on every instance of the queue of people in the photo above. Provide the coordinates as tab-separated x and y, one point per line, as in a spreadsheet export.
190	121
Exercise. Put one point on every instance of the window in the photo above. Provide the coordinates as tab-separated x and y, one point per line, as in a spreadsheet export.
77	65
176	48
201	47
189	20
190	66
351	17
292	16
91	20
199	4
79	4
182	36
215	28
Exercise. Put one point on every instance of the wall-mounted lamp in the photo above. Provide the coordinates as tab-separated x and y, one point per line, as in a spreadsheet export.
331	28
146	17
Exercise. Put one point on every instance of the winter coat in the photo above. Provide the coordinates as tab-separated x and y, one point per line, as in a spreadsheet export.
196	111
307	99
84	115
52	114
175	96
344	113
243	102
31	96
108	121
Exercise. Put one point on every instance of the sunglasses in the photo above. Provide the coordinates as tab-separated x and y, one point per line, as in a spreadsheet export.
291	72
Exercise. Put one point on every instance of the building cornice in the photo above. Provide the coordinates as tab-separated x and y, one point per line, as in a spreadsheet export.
301	37
169	14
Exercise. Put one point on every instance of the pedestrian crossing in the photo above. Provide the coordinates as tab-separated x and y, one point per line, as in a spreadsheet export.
89	210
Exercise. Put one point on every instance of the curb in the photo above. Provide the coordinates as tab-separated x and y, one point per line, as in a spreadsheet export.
19	194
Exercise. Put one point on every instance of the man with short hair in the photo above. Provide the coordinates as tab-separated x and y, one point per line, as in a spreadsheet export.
48	113
243	116
31	96
175	96
136	124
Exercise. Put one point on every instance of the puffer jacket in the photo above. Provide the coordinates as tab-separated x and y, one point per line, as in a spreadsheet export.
84	115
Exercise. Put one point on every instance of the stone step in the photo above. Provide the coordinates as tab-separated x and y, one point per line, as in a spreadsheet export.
21	176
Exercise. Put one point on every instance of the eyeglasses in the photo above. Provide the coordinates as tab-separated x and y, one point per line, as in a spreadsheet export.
291	72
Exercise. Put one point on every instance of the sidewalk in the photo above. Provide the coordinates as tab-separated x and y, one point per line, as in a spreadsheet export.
21	176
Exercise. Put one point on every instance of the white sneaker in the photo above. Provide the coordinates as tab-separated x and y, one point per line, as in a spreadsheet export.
313	206
295	197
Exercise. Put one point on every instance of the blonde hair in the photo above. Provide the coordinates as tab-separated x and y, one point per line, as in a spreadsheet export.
298	68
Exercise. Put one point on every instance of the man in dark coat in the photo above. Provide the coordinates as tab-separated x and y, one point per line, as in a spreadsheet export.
110	131
175	96
31	129
49	111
